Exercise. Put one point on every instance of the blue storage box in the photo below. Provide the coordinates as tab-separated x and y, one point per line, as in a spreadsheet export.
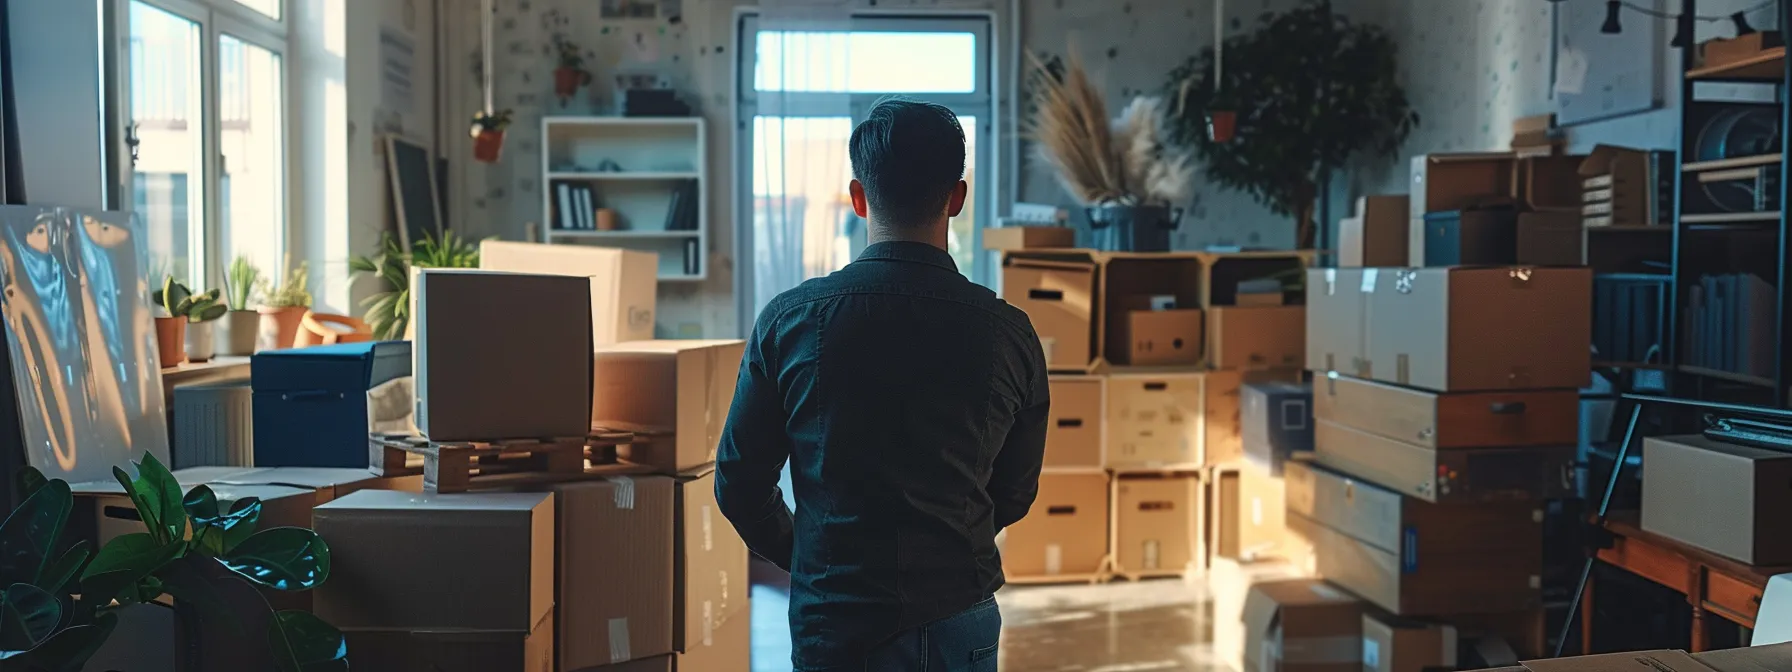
1471	238
311	403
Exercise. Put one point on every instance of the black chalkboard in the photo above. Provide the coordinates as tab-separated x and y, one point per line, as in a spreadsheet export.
416	204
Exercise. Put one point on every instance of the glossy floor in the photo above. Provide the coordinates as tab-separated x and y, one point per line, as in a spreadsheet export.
1150	626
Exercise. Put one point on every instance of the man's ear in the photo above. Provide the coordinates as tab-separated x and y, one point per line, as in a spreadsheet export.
955	204
860	206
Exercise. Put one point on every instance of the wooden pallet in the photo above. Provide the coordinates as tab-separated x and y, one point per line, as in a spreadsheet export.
1100	575
458	466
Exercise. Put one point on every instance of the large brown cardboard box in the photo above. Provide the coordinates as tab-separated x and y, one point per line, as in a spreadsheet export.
1414	558
1229	582
1028	237
1247	511
710	586
1633	661
1074	429
1156	338
1444	182
501	355
685	387
1725	498
624	283
1222	421
1059	297
1256	337
1377	235
731	650
1154	420
1302	625
614	573
1157	523
1066	531
1523	473
403	561
1450	420
453	650
1337	300
1398	645
1466	329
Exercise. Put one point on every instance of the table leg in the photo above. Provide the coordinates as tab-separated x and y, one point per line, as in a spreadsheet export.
1586	617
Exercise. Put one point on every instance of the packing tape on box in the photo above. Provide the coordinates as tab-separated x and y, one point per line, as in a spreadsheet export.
1370	275
722	579
1521	278
1054	559
625	492
709	623
709	539
1404	279
1322	650
1331	281
712	435
619	652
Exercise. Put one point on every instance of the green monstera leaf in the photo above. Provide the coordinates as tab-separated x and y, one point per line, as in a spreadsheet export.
282	558
305	643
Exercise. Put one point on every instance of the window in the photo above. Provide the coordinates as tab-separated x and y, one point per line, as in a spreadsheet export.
207	92
802	90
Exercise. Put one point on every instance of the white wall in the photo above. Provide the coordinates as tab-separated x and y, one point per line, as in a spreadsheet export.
56	78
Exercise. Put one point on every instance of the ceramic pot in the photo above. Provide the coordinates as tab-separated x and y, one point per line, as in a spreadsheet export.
279	327
1222	125
241	328
487	146
171	341
202	341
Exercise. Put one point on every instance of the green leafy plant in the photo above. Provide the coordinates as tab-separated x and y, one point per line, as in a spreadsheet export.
491	122
182	302
1310	89
240	282
388	313
292	292
59	604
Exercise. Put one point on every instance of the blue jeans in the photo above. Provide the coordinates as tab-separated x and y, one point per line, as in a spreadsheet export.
964	642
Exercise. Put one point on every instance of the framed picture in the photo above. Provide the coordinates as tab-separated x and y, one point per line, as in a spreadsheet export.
417	205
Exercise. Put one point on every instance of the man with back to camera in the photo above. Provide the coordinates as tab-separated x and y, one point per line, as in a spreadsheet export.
911	404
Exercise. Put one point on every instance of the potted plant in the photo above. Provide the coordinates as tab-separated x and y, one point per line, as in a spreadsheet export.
1299	113
62	597
1130	179
171	327
488	135
571	74
282	307
202	312
243	323
388	313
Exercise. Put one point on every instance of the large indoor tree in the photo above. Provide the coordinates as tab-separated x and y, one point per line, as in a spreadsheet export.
1310	90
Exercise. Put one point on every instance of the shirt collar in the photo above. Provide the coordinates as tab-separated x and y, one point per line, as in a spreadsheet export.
901	250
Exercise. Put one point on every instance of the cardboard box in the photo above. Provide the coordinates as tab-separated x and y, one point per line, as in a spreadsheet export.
1337	306
1721	497
1633	661
1554	238
1247	512
402	561
1464	329
1471	238
1546	182
1229	582
682	386
1222	415
1302	625
1059	297
615	597
1255	338
1443	182
1452	420
1066	531
624	283
1155	421
453	650
1414	558
501	355
1526	473
288	494
731	651
1750	659
1724	51
1156	338
710	588
1398	645
1028	237
1377	235
1157	523
666	663
1074	427
1275	422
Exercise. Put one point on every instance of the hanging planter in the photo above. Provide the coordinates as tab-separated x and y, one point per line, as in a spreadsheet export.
488	135
571	74
1222	125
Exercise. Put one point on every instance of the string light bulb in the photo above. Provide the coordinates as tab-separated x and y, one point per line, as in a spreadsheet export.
1612	27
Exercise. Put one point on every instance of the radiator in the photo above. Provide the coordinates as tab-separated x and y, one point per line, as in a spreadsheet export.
213	426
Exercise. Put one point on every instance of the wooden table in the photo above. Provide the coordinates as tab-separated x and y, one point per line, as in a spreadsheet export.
1713	585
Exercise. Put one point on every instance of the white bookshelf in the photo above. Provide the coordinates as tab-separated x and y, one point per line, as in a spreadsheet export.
653	158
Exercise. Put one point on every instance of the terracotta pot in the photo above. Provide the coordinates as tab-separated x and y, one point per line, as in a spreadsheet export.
488	146
171	341
279	327
202	341
567	82
241	328
1222	125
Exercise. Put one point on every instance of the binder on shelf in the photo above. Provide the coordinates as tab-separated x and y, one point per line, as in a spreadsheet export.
691	258
675	211
563	218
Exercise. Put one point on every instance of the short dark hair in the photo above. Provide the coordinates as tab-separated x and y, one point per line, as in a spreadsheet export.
908	155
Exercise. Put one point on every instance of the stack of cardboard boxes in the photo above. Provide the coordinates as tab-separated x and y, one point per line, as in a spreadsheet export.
1148	353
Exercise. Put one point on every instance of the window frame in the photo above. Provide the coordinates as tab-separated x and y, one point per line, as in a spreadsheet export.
749	103
216	19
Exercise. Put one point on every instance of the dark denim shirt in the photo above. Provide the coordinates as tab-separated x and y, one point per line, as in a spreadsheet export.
911	404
